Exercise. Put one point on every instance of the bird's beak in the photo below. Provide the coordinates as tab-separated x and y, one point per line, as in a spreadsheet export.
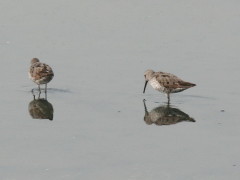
145	86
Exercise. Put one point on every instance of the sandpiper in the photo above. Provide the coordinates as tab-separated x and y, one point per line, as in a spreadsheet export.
40	73
165	82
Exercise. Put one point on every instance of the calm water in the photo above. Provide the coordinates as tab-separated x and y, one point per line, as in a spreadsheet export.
99	52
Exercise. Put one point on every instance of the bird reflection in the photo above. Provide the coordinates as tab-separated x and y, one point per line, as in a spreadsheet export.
40	109
165	115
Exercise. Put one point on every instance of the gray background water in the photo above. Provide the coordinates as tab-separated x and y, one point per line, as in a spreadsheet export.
99	51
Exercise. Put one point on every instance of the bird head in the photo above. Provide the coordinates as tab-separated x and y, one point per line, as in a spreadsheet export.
148	75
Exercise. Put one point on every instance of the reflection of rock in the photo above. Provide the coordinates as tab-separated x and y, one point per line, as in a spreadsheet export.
40	109
165	115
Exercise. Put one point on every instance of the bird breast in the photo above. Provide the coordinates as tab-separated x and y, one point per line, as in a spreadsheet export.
156	85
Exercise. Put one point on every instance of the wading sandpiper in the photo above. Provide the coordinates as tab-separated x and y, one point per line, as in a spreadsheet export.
40	73
165	82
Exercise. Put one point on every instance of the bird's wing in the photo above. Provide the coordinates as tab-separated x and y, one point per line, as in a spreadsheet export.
39	70
169	80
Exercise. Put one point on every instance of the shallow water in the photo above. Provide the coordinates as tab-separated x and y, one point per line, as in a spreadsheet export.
99	52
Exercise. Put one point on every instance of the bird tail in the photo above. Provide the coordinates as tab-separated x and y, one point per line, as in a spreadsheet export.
191	120
187	84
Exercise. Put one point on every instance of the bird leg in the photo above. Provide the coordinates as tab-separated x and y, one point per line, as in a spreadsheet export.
33	94
168	96
46	91
45	88
39	89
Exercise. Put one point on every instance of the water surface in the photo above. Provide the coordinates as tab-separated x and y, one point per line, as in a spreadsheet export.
99	52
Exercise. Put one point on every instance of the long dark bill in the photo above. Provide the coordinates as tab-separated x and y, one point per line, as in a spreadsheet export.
145	86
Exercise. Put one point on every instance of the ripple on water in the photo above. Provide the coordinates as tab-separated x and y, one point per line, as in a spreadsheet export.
49	90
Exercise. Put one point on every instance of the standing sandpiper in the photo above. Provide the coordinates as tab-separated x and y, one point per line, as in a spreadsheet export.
165	82
40	73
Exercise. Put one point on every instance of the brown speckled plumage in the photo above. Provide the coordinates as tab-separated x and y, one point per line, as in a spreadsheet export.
40	73
165	82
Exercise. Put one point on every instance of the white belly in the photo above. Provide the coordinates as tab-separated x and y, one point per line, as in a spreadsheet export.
156	85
